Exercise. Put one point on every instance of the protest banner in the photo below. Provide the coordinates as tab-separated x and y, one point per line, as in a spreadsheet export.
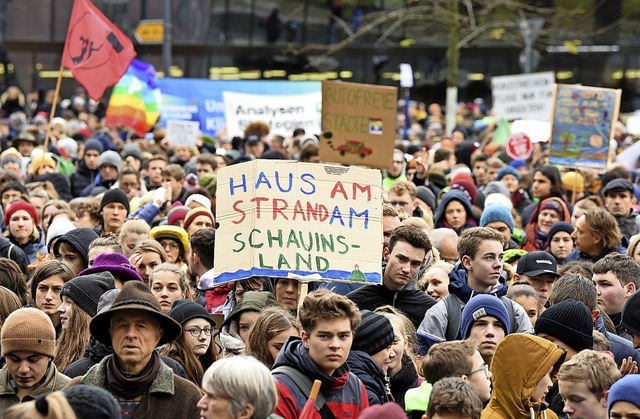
302	220
525	96
358	123
582	124
182	133
519	146
538	131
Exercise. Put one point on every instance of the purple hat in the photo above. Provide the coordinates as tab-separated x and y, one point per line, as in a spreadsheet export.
117	264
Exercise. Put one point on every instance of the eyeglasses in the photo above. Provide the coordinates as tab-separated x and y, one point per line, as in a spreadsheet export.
195	332
398	203
484	368
170	245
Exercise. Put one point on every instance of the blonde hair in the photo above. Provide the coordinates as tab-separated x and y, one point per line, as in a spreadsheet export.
133	227
170	267
598	371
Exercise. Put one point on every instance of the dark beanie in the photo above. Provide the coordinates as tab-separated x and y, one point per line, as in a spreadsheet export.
92	402
79	239
568	321
374	334
184	310
86	290
94	144
427	196
115	195
557	227
481	306
631	314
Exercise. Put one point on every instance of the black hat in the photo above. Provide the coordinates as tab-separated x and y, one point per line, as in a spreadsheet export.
427	196
618	185
374	334
86	290
631	314
92	402
115	195
134	295
569	321
79	239
184	310
537	263
557	227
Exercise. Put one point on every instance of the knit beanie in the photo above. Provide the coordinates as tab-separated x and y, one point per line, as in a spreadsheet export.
507	170
86	290
95	145
115	195
374	334
209	183
626	389
483	305
631	314
28	329
42	160
557	227
18	206
184	310
551	204
10	155
192	214
112	158
570	179
497	213
79	239
177	214
200	199
466	184
427	196
496	187
92	402
57	228
389	410
497	199
568	321
70	146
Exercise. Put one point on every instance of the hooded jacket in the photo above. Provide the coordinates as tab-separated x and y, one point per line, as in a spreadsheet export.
433	328
439	218
344	393
32	247
521	361
82	178
536	240
79	239
372	376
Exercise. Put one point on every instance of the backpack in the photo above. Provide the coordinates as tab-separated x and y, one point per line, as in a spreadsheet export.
304	384
454	315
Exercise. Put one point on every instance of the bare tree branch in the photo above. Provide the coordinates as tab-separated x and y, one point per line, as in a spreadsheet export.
472	18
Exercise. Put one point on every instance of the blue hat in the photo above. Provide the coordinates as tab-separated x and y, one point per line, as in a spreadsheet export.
507	170
483	305
626	389
94	144
516	164
497	213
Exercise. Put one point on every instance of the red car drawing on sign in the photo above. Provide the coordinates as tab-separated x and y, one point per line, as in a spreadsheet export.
354	147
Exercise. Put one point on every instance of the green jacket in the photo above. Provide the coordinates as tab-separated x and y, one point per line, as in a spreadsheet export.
54	381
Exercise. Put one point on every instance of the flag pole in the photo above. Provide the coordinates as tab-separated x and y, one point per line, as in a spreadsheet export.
54	105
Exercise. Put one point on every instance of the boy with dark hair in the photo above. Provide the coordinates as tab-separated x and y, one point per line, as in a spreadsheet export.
616	277
408	248
538	269
478	272
173	179
328	323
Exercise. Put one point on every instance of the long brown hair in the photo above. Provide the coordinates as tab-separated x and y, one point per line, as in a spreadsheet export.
73	339
271	322
193	365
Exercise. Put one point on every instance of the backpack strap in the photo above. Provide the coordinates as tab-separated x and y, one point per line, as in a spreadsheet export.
10	249
453	318
304	384
512	313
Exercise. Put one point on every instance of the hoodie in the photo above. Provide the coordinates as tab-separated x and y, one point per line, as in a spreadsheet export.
536	239
373	377
433	328
521	361
439	219
344	393
79	239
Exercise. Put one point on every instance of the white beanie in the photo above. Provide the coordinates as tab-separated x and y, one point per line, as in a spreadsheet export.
498	198
60	226
200	199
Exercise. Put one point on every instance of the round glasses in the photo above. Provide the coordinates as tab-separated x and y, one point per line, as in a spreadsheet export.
195	332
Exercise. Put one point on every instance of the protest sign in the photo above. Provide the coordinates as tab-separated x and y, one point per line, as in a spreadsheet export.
182	133
525	96
538	131
359	124
288	219
582	124
519	146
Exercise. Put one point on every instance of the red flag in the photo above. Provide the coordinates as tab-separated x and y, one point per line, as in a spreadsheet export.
95	50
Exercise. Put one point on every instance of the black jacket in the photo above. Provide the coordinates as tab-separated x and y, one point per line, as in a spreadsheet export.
15	253
82	178
412	302
371	375
404	380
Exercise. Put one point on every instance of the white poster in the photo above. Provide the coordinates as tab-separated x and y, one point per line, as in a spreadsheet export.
525	96
283	113
182	133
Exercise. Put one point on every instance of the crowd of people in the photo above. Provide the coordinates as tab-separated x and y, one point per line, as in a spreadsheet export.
509	287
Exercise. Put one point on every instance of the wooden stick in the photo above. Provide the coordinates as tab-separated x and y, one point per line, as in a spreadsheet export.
54	105
315	390
303	288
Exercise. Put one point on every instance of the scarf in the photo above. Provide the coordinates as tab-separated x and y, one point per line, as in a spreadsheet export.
130	386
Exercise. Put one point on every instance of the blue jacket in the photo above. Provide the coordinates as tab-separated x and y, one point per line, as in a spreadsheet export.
620	347
577	255
371	375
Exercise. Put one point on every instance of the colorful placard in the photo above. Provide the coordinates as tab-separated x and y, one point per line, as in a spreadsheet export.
359	124
583	122
304	220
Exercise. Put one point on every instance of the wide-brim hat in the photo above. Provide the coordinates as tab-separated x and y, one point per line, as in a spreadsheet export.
134	295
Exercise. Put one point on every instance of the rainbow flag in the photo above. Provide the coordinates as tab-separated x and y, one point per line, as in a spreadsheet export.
134	100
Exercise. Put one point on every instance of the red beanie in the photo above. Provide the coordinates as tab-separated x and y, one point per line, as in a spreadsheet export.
466	184
191	215
20	205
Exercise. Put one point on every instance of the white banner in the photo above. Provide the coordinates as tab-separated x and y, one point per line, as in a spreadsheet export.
525	96
182	133
283	113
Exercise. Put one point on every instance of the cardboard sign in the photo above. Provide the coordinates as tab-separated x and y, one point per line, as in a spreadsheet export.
583	122
526	96
288	219
182	133
359	124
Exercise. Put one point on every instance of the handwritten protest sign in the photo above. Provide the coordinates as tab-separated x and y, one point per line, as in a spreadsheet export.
182	133
583	121
284	219
523	96
359	124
